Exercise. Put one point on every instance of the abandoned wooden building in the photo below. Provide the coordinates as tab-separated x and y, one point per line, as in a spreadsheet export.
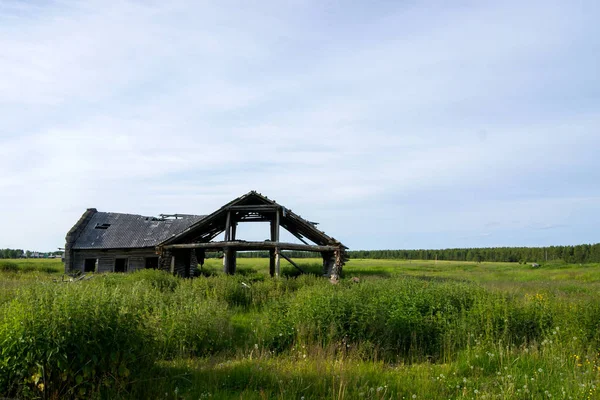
114	242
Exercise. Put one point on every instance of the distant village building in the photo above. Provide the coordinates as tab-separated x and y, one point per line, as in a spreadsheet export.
115	242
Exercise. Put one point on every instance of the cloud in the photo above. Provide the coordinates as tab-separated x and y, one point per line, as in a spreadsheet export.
379	122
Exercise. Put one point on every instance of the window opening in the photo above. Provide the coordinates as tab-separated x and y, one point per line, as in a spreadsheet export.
89	265
152	263
121	265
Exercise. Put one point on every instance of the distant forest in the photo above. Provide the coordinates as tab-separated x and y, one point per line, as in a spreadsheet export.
584	253
19	253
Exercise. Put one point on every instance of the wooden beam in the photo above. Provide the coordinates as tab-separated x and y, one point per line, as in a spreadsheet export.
253	207
272	262
276	238
233	229
292	262
328	260
239	245
298	236
228	261
277	262
253	219
228	227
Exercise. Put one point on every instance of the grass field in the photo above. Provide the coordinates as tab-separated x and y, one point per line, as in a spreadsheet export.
413	330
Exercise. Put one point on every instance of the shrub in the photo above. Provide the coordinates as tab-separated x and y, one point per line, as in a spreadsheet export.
8	266
161	280
187	327
69	340
406	318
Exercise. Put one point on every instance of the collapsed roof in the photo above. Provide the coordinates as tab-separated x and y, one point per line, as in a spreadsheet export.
252	206
108	230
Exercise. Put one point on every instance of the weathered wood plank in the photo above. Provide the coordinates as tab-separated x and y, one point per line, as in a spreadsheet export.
272	262
239	245
277	262
276	238
228	227
292	262
253	207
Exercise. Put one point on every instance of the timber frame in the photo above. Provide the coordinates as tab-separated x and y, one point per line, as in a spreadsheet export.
188	248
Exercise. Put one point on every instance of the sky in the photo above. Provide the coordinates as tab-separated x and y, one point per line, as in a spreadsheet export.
394	124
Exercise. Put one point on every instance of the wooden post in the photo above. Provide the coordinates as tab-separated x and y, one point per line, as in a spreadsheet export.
233	264
200	256
277	262
277	225
272	262
229	260
193	263
228	227
226	260
173	264
274	255
328	261
337	264
233	229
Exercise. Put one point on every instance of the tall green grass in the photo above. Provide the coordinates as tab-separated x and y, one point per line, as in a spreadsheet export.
388	335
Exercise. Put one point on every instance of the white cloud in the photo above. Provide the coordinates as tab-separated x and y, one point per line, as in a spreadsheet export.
181	106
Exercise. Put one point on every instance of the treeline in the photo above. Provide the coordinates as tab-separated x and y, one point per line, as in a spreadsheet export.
19	253
11	253
583	253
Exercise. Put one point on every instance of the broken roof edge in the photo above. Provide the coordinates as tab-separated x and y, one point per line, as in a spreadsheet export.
80	225
110	230
156	218
265	199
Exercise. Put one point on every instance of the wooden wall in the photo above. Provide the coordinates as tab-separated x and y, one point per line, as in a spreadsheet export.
106	258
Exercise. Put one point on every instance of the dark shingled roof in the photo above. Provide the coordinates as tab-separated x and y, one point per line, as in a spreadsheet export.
129	230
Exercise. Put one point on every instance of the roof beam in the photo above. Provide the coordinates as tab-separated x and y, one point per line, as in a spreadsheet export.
239	245
253	207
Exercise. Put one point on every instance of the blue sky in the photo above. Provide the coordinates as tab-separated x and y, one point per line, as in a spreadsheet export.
393	124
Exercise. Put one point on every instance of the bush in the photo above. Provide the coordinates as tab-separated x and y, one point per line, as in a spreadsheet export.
406	318
68	341
187	327
161	280
8	266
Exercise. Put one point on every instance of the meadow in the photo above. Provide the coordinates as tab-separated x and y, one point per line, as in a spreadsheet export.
402	329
